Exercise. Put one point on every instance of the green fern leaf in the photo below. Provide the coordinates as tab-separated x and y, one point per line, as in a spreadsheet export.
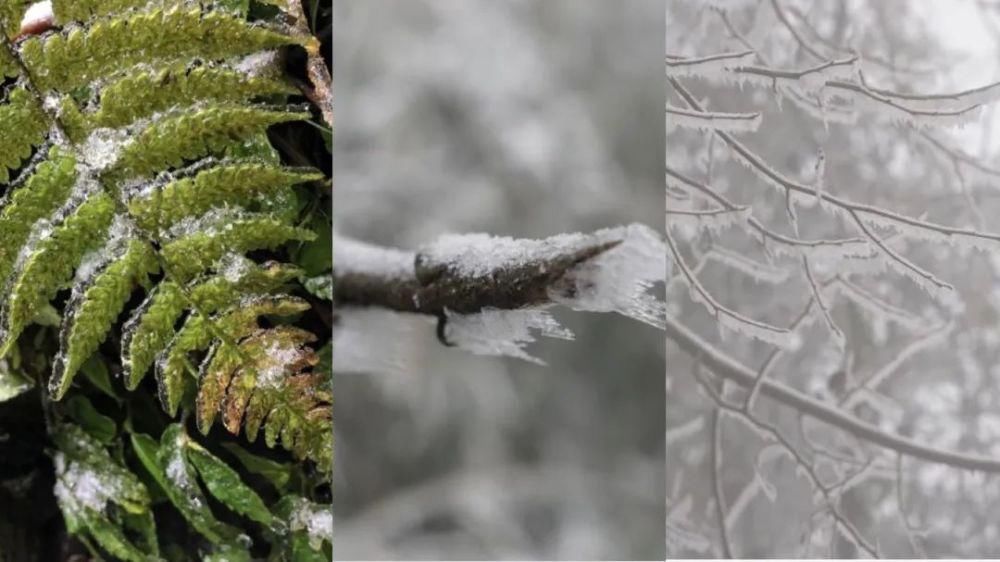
197	334
190	134
202	242
24	126
76	57
50	264
96	302
215	184
88	482
47	186
149	91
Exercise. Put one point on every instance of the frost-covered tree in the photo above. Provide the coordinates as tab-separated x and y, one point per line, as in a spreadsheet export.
832	297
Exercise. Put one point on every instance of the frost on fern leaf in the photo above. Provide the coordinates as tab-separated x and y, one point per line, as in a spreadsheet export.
133	158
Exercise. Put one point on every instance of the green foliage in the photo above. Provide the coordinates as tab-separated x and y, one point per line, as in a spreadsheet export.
134	168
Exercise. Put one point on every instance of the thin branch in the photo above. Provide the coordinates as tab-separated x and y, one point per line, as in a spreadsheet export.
321	92
707	300
720	499
431	290
757	163
787	446
901	509
714	195
727	367
791	29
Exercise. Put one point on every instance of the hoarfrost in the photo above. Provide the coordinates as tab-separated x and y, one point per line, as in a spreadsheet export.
678	117
234	267
257	63
620	279
502	332
103	148
278	356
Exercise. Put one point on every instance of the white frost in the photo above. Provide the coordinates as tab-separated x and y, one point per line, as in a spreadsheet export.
620	279
316	520
502	332
103	148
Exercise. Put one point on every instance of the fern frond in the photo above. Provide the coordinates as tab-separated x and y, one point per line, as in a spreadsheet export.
136	132
151	326
189	134
96	302
199	244
149	91
199	331
73	58
263	378
24	126
208	186
49	259
41	190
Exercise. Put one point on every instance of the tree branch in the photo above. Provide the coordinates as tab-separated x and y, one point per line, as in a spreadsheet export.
727	367
428	287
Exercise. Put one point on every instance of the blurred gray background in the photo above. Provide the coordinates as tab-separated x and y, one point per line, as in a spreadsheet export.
519	118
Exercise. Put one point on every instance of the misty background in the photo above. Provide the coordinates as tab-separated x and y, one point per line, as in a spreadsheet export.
924	367
517	118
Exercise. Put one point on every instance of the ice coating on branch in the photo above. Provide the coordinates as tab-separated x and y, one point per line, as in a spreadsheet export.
691	222
502	332
758	271
710	66
375	340
354	256
616	280
681	118
620	280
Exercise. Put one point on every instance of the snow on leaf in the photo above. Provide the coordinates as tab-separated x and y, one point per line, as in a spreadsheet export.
315	519
502	332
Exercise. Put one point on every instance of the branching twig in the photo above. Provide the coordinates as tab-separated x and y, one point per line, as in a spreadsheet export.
730	369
